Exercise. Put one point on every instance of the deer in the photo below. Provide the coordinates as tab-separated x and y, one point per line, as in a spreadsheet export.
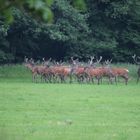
116	72
30	65
136	58
76	70
35	69
92	71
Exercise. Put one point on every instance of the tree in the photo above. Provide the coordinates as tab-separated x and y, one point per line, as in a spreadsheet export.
39	8
115	27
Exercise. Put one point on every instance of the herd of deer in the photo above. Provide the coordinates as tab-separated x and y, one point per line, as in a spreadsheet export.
52	72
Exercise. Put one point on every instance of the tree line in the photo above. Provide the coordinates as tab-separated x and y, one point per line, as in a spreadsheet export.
89	28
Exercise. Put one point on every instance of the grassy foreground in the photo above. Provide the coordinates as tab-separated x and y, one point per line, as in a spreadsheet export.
30	111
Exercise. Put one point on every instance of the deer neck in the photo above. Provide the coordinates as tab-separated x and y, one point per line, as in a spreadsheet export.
30	67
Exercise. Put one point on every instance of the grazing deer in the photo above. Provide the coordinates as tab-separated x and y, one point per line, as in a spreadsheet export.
136	58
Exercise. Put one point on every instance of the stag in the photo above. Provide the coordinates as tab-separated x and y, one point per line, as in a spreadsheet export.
76	70
30	65
37	70
107	71
92	71
136	59
116	72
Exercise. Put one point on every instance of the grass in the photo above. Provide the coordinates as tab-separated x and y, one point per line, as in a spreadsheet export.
30	111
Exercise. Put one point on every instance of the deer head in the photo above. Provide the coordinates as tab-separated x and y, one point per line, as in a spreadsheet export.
46	63
26	59
97	61
108	62
74	62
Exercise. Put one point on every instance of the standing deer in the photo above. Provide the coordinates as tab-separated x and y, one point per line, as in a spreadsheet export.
107	71
117	72
136	58
30	65
92	71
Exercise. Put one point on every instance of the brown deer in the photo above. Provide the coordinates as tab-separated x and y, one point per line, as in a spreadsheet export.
30	65
107	71
121	72
136	59
76	70
92	71
37	70
117	72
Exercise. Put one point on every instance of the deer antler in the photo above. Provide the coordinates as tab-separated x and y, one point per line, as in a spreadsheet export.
74	61
107	62
110	61
47	62
49	59
91	60
136	59
98	61
25	59
43	59
134	56
31	61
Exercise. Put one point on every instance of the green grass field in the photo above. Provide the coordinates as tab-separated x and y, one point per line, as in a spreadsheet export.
30	111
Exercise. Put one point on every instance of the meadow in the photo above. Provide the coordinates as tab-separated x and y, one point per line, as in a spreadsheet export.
41	111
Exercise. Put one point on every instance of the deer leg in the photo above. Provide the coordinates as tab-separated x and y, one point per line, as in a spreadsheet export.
42	78
45	78
33	77
82	78
126	79
88	78
116	80
110	80
63	79
92	80
78	79
98	79
70	76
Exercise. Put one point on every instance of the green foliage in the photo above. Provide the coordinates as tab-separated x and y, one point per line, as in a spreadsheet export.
74	28
79	4
115	27
38	8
